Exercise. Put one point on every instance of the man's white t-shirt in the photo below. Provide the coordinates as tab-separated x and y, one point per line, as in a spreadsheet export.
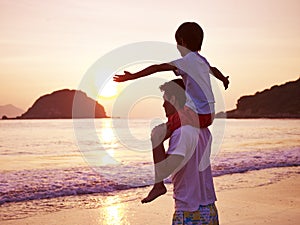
193	182
194	70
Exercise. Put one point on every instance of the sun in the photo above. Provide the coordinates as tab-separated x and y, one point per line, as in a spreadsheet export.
110	90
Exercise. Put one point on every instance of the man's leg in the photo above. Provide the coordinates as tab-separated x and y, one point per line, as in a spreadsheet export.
204	215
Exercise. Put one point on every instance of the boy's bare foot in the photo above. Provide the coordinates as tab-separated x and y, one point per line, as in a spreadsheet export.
156	191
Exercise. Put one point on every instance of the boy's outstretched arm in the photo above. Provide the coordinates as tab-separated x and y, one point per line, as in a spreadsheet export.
220	76
145	72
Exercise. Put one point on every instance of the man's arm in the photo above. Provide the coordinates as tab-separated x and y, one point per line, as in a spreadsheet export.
182	145
214	71
145	72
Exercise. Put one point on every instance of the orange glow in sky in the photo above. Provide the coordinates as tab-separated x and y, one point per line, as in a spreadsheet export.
49	45
110	90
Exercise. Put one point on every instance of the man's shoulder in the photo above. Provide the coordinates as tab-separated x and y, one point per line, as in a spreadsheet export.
183	140
186	130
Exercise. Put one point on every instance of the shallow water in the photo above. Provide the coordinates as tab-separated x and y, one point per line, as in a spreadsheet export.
42	159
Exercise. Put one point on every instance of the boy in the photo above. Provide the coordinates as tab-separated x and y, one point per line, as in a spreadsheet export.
194	70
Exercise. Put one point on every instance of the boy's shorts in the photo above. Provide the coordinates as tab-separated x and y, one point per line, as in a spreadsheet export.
204	215
187	116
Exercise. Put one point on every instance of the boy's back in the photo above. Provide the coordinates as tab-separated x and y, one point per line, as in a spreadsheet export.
194	70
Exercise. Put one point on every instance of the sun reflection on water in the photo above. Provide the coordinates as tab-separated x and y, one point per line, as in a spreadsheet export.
107	137
106	131
114	212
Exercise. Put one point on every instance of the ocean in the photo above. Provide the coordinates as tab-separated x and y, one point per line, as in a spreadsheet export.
43	162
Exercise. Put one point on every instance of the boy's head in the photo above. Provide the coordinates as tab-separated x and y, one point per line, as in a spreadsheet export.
190	35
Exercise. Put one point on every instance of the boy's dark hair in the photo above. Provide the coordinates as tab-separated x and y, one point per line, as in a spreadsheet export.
175	88
191	34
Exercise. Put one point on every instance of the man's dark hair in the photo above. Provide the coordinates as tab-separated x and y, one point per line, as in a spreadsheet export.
175	88
191	34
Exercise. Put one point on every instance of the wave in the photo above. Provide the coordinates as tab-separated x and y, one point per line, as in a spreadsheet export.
256	160
18	186
41	184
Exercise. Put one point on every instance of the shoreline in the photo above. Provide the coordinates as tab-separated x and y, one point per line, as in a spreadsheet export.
109	117
273	201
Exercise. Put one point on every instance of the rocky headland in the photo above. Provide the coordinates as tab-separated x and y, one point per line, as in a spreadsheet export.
280	101
59	105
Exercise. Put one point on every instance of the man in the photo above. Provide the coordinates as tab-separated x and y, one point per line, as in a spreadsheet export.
187	159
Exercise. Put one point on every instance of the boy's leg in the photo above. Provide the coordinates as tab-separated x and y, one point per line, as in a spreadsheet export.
159	154
159	187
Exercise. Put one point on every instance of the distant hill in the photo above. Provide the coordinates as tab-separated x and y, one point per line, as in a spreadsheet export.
281	101
10	111
59	105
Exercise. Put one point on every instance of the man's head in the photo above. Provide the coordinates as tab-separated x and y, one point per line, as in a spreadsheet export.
189	35
174	96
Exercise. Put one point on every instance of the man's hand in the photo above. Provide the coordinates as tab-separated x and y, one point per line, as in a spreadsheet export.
226	82
125	77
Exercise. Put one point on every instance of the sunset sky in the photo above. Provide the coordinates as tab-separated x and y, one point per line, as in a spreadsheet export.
49	45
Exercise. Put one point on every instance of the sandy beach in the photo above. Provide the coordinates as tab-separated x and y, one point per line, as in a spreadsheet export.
275	201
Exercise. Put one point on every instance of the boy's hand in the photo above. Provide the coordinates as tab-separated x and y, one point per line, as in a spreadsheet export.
121	78
226	82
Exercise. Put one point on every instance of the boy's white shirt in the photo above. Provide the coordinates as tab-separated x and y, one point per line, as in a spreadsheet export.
194	70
